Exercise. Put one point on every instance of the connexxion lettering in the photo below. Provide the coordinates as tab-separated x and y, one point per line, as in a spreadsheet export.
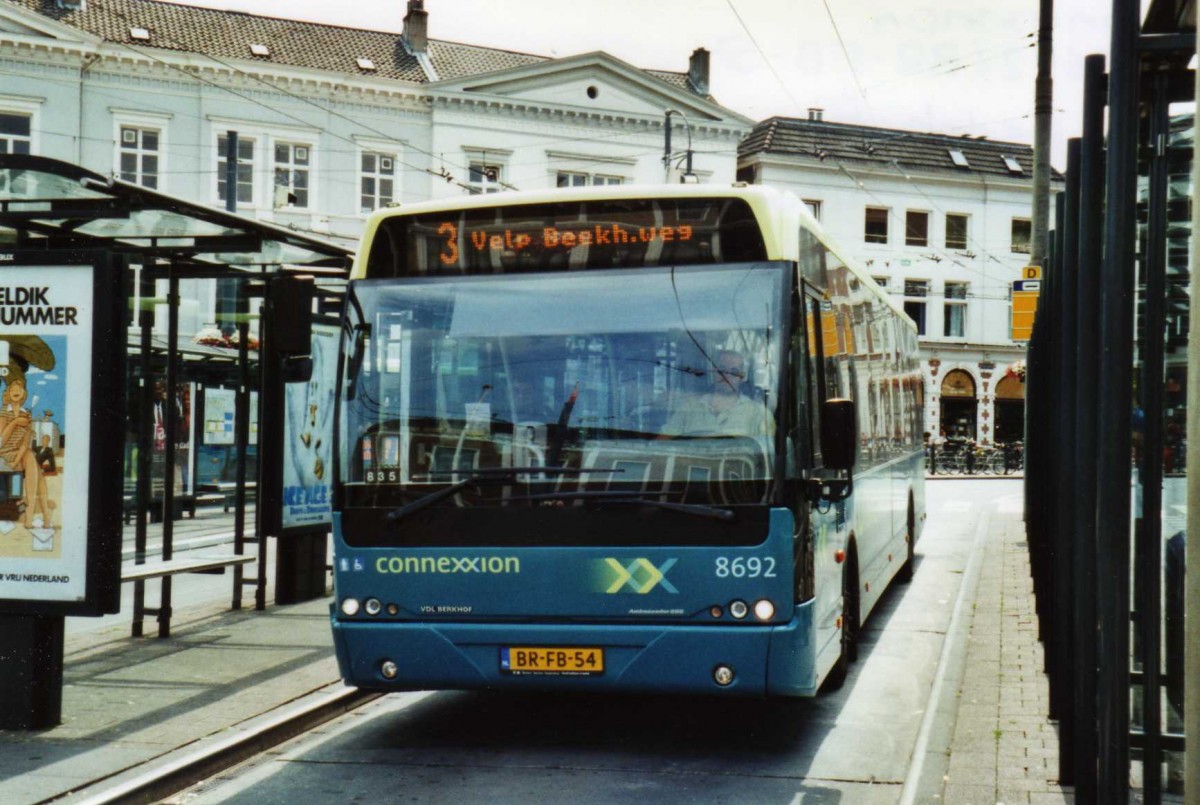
448	564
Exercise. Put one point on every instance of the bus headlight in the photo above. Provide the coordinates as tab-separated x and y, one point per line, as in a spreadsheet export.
723	675
764	610
738	609
372	606
350	606
388	669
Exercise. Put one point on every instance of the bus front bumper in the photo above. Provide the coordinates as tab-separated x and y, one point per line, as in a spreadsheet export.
775	660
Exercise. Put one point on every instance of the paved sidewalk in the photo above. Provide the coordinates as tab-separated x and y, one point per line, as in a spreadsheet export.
129	702
1003	748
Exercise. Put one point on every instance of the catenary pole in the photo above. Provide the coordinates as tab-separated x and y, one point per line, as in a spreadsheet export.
1043	108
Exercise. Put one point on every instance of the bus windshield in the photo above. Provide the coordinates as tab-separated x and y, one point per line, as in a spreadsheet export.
653	381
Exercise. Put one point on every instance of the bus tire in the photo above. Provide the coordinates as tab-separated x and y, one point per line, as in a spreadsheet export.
905	574
841	668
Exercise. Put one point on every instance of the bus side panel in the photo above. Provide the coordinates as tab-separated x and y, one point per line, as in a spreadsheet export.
883	550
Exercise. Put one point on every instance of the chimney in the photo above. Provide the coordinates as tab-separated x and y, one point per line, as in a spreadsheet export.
698	71
416	26
816	114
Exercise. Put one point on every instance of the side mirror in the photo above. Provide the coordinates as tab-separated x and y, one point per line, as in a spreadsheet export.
839	434
297	369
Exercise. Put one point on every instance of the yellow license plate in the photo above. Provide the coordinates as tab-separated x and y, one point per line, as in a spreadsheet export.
564	660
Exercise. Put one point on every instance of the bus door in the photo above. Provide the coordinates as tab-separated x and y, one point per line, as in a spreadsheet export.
817	380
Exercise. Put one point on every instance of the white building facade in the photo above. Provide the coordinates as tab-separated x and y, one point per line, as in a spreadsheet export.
943	224
332	123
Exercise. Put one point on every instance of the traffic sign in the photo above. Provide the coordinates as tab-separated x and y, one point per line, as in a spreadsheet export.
1025	294
1031	273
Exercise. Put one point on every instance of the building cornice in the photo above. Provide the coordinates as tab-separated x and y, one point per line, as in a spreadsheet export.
473	105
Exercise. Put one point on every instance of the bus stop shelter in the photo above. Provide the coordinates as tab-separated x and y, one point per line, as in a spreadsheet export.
262	273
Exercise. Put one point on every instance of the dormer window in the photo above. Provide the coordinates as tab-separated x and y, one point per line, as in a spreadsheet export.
139	33
959	158
260	50
1013	166
365	64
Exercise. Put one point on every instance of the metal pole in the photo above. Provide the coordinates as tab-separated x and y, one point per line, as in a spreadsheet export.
1091	189
231	170
1062	681
1043	108
1113	466
145	431
1148	531
171	424
1191	660
667	147
241	430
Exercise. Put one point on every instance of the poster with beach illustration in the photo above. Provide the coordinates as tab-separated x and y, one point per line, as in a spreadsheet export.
45	390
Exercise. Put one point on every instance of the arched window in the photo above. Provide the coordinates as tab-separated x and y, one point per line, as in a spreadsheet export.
958	384
1009	388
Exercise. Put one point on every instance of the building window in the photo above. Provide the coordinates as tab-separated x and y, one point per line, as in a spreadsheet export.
882	282
814	207
956	231
16	133
1022	231
292	165
483	178
577	179
377	181
955	320
876	225
916	228
245	169
915	306
139	152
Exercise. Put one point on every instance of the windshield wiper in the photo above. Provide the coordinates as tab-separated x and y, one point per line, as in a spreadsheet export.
477	477
610	496
560	433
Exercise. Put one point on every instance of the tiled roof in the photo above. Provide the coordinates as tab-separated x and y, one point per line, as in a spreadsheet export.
453	60
229	34
912	150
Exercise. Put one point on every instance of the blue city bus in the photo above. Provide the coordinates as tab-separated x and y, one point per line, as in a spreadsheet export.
643	439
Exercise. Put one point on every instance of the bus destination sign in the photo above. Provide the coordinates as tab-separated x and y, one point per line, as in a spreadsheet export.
568	235
552	238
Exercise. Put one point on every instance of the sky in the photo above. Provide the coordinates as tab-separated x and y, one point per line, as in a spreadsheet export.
966	67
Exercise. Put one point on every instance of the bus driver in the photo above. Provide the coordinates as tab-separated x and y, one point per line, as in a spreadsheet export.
724	410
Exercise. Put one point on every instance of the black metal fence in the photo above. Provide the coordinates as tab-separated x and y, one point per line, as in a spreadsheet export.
1105	478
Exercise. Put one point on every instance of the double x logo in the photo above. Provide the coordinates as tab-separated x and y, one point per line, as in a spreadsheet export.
640	576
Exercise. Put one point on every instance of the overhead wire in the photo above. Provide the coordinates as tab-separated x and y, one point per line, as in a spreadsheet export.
849	62
757	47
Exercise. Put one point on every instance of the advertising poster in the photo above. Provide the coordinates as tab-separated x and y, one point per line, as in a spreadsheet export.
308	438
220	405
45	396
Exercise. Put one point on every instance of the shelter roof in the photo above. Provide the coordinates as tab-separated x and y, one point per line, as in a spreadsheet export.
46	203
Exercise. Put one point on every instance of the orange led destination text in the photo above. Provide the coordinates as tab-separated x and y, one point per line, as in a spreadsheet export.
553	237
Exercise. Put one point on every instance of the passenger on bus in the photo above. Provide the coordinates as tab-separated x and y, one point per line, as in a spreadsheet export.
724	410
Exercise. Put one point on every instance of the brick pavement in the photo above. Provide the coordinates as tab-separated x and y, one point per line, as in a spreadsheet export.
1004	748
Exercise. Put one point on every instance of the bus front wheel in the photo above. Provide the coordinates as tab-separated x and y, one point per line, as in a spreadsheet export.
841	668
